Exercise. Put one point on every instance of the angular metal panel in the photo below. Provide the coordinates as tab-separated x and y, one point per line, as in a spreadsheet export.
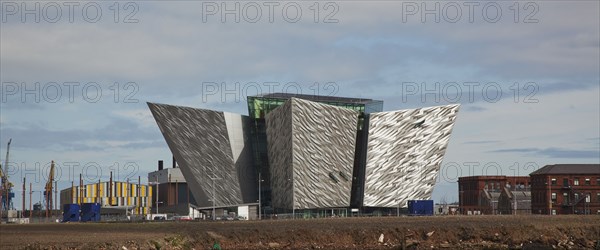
210	144
280	155
311	154
404	153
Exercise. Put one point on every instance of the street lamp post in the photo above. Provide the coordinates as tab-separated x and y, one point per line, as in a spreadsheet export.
293	205
461	198
259	197
213	196
156	194
156	184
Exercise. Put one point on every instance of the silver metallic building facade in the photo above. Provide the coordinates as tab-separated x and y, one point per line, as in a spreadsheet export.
311	154
321	153
212	150
404	153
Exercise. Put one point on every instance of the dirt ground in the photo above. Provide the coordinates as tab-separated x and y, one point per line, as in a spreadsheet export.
450	232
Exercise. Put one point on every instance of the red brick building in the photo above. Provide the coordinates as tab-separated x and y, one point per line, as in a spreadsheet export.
566	189
480	194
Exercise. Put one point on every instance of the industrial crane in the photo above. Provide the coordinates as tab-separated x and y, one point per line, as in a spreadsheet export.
6	193
49	188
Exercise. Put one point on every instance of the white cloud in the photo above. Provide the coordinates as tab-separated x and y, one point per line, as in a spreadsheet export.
142	116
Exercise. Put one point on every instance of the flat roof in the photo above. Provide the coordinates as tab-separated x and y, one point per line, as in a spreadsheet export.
318	98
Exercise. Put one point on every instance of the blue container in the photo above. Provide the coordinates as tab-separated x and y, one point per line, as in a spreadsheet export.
70	213
90	212
420	207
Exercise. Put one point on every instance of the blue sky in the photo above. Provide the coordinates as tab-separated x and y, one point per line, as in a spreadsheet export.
376	49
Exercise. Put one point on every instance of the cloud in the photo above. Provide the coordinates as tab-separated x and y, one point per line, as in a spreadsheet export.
119	133
177	47
18	105
554	152
474	108
482	142
568	153
142	116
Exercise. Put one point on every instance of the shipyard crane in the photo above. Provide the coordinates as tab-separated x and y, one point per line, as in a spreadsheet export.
6	193
48	189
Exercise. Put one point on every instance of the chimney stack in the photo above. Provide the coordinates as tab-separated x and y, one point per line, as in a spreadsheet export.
174	162
160	165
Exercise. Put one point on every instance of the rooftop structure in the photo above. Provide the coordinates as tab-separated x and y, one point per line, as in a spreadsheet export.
260	105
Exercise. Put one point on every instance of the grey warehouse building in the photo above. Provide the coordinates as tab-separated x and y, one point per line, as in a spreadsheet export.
308	152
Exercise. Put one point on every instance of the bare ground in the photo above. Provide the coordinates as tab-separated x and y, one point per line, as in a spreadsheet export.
457	232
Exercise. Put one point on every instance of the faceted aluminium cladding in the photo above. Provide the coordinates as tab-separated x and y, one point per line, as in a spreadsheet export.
311	154
210	146
404	152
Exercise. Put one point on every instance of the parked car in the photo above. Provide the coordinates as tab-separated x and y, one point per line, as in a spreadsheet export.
160	218
182	218
225	218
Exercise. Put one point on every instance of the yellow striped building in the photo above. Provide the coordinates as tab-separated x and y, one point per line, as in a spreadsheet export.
115	194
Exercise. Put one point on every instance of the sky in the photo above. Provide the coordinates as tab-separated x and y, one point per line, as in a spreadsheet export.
76	76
